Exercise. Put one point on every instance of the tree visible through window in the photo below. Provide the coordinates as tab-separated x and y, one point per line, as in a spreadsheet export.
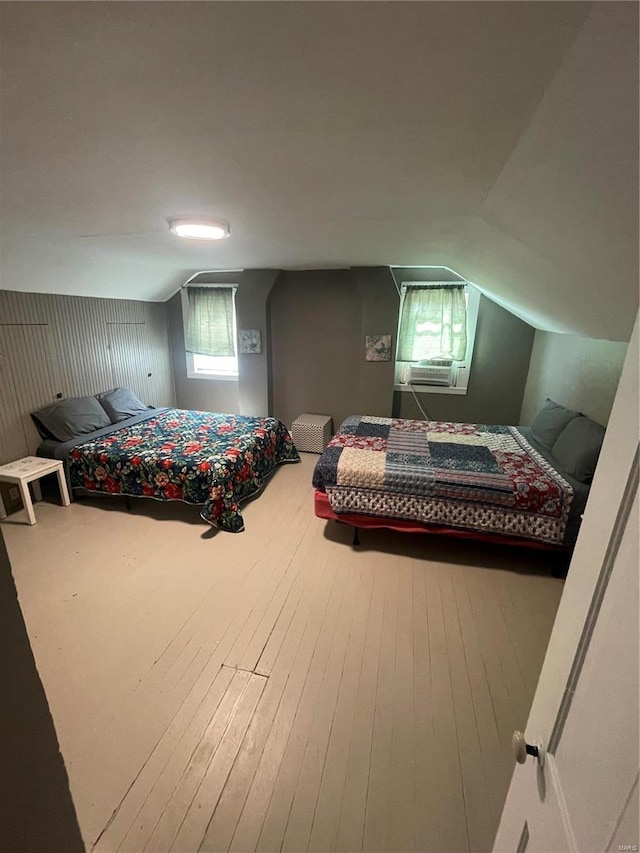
433	323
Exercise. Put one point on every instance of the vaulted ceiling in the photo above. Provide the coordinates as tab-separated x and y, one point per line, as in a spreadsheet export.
500	139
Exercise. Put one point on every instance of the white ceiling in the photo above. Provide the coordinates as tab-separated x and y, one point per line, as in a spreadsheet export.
499	139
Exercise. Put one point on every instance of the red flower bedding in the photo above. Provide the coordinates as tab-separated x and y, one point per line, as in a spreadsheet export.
216	460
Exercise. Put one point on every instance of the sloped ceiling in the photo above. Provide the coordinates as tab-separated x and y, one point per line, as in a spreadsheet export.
556	239
499	139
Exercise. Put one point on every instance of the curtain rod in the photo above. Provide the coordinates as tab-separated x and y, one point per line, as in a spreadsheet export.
435	283
209	284
196	274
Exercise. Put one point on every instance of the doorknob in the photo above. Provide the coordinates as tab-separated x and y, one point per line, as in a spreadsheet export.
521	749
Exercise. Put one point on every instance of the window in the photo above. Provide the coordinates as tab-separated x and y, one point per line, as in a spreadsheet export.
433	323
218	365
437	320
210	331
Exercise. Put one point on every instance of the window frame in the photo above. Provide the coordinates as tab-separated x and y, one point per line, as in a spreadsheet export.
472	295
192	371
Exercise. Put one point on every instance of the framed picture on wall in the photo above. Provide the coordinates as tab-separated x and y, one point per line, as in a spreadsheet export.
377	347
250	341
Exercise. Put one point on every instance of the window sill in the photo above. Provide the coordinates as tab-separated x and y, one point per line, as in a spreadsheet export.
224	377
431	389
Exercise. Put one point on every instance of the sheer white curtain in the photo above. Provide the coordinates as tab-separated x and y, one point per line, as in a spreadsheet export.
433	323
210	321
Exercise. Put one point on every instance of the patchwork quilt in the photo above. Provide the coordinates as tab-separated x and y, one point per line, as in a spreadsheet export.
476	477
216	460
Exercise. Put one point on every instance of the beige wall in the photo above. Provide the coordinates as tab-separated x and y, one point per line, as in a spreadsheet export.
580	373
498	375
71	346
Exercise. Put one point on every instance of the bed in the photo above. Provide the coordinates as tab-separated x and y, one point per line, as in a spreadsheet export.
212	460
483	481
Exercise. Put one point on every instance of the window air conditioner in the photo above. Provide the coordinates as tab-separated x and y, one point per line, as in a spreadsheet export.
433	371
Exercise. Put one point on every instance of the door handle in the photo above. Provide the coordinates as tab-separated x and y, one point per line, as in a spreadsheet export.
521	749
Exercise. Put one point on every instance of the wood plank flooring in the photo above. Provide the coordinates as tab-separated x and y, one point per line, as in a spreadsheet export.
279	690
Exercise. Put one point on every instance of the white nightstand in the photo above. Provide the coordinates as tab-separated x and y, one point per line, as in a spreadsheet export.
29	470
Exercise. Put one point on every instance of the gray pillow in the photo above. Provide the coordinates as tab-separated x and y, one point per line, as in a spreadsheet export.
550	422
121	403
68	418
578	447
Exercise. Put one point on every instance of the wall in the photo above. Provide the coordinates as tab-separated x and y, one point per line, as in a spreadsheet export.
580	373
251	393
403	275
315	329
318	322
497	379
313	325
254	370
204	395
73	346
556	237
603	571
380	305
36	808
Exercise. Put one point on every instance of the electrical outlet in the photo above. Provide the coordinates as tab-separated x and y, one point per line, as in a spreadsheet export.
14	494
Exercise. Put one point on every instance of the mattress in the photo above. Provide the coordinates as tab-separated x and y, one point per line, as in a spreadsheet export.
209	459
484	478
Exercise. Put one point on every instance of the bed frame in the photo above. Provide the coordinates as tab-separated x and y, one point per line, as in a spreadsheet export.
322	509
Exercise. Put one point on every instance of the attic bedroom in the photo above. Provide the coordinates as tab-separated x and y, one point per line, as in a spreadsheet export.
319	426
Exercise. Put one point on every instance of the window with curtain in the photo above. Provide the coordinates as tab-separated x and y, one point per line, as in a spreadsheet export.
210	331
433	323
210	326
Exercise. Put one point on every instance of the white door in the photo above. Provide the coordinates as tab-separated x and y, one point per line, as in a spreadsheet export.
584	797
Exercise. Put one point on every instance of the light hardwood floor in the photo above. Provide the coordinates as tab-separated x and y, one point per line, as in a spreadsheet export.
279	689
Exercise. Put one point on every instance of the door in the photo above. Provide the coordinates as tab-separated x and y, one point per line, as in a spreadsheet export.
583	796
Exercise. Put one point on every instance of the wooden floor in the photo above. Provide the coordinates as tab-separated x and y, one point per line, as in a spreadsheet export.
279	689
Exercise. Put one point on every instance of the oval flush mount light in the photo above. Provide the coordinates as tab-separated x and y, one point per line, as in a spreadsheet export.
199	228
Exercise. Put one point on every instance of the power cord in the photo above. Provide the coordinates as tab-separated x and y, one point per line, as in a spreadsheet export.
418	403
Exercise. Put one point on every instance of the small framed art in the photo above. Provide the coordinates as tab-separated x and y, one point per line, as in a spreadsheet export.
250	341
377	347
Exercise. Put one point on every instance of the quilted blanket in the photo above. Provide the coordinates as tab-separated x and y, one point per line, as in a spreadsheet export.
216	460
476	477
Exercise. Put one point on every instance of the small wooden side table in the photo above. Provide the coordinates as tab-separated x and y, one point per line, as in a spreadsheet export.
30	470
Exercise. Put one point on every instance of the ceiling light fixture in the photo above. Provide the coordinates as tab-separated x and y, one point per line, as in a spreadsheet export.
196	228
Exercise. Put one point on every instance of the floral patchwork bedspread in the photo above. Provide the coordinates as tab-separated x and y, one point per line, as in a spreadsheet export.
216	460
476	477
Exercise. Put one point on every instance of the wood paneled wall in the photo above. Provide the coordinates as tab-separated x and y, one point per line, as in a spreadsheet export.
73	346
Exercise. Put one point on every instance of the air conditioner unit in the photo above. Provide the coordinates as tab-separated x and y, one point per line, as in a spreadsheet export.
433	371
